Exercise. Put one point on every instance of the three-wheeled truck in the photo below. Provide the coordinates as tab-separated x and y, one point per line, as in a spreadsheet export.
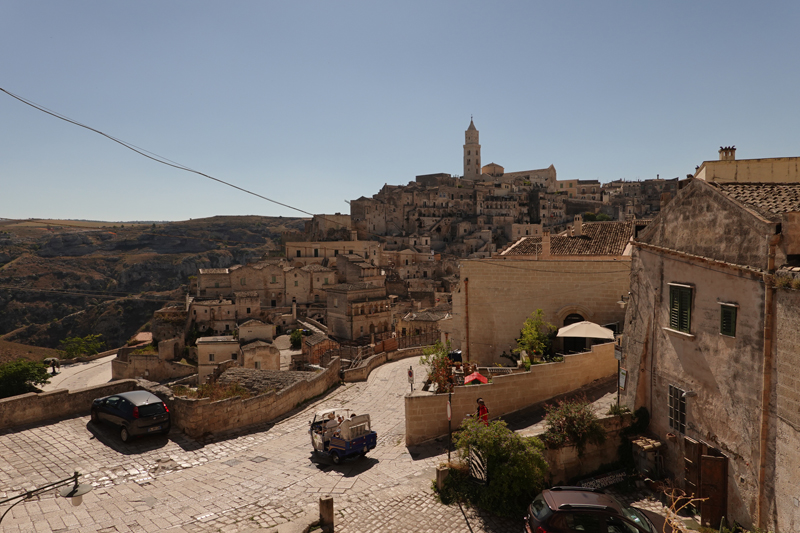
339	434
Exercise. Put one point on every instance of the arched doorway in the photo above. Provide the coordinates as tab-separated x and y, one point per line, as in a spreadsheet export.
574	344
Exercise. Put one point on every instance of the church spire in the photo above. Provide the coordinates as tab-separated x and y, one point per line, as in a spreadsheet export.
472	152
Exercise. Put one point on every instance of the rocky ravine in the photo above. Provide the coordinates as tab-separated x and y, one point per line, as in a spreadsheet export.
60	281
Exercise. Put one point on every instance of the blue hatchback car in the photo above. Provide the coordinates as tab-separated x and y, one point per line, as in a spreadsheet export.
135	413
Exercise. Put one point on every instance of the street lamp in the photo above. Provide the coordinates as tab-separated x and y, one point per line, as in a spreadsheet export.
69	489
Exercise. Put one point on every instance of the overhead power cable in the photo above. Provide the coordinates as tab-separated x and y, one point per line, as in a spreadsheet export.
150	155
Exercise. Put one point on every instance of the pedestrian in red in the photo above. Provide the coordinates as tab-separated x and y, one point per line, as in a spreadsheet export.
483	412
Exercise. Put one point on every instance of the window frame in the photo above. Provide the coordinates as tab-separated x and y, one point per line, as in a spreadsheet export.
681	298
676	405
732	311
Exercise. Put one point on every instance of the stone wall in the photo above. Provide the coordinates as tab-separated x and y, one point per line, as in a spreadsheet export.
502	294
565	464
199	418
150	367
426	414
33	408
371	363
787	460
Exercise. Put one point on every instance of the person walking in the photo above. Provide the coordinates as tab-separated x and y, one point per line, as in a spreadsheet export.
483	412
411	377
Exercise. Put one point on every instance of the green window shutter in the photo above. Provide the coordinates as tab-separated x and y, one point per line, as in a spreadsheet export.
727	320
680	308
674	305
685	310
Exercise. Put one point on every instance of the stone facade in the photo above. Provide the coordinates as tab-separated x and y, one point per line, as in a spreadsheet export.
211	351
706	264
357	310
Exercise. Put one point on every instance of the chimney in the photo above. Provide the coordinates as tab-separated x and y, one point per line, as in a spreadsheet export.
578	226
545	244
353	235
727	153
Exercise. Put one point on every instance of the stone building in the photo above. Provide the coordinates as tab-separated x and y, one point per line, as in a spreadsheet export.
357	310
728	169
260	355
571	278
710	345
211	351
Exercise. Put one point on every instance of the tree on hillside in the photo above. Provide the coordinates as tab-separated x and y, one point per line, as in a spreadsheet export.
72	347
21	376
536	337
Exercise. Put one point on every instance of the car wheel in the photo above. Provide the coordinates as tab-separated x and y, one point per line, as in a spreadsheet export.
124	435
363	454
335	458
95	418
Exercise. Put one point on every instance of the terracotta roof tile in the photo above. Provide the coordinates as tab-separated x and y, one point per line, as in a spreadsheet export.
768	199
598	238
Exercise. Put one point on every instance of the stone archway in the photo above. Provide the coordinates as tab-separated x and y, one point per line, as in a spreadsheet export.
570	315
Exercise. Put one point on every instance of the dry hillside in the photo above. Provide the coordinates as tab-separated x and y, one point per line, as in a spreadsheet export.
70	278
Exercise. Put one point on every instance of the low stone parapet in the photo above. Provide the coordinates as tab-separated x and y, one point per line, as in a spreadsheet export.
200	418
426	413
33	407
371	363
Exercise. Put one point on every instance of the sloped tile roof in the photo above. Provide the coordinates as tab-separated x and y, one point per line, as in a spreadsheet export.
768	199
598	238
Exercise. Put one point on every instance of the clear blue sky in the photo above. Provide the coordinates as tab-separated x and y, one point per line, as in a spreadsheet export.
312	103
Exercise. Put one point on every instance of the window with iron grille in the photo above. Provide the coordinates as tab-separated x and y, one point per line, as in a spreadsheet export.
680	308
677	409
727	320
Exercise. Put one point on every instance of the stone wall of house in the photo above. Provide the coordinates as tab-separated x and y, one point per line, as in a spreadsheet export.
426	414
787	471
566	464
502	295
199	418
724	375
33	408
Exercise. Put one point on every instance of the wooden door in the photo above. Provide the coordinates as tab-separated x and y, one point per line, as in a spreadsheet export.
692	451
714	488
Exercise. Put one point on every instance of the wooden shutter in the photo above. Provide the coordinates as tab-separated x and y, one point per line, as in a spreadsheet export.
727	317
674	307
685	309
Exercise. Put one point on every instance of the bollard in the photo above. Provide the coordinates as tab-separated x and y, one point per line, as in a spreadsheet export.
326	513
442	471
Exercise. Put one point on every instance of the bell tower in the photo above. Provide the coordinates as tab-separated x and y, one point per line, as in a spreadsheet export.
472	153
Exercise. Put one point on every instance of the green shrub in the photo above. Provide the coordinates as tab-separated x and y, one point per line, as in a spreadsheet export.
515	467
296	338
572	422
440	372
21	376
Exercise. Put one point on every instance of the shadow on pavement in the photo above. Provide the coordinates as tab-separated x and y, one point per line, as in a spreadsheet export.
109	435
348	467
428	449
477	520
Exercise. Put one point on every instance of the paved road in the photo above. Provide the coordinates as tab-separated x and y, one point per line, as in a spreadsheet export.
80	375
255	481
260	479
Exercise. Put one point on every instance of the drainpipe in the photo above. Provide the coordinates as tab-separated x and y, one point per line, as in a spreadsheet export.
466	316
766	390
